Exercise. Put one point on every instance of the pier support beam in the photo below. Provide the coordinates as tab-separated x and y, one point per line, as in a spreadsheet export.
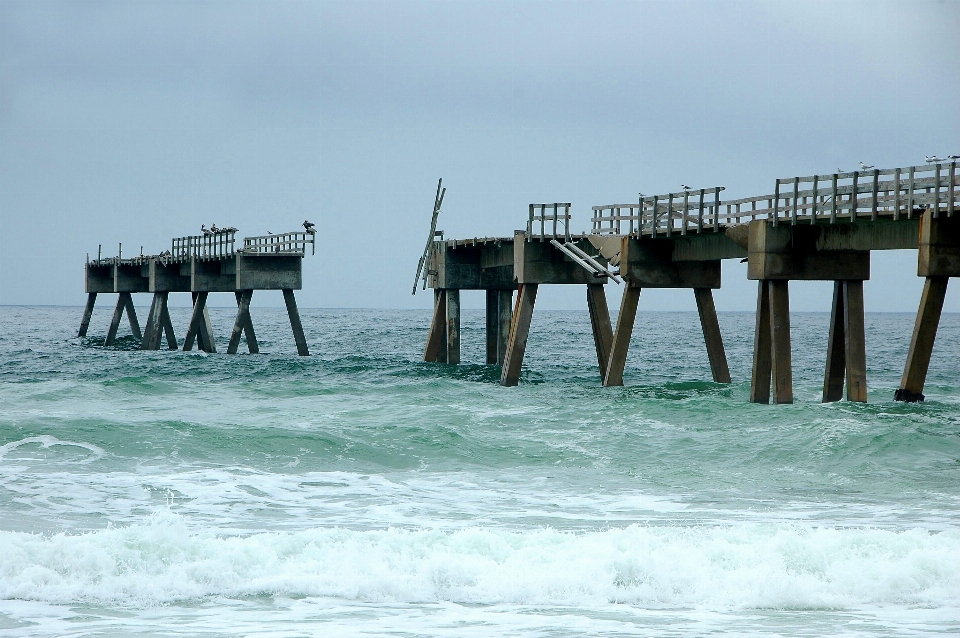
200	327
243	325
124	303
711	335
600	323
921	343
294	315
158	322
519	330
771	344
453	326
621	336
87	314
499	314
436	349
846	348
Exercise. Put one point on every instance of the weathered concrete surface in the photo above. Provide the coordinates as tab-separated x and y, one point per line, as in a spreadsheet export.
790	252
98	279
268	272
485	266
539	262
649	263
939	246
166	278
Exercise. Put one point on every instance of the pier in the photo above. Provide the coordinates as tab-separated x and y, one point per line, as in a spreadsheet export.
200	265
814	228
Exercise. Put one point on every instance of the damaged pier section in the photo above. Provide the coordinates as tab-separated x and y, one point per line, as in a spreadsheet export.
816	228
201	265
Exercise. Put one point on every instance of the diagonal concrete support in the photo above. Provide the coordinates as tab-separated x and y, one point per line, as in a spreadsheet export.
836	367
154	329
294	315
436	348
621	336
921	343
519	330
200	327
168	328
87	314
600	323
504	321
124	303
711	335
243	324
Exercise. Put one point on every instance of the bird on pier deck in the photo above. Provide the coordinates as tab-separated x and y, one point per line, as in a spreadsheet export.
309	227
933	159
953	157
206	231
864	167
685	187
214	229
840	170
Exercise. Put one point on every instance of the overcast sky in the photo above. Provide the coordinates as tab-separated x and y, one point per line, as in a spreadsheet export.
136	122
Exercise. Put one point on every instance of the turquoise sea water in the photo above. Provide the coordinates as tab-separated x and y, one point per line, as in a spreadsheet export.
362	492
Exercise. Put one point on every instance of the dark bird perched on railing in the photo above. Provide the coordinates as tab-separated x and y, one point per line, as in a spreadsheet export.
229	229
953	157
214	229
206	231
309	227
684	187
840	170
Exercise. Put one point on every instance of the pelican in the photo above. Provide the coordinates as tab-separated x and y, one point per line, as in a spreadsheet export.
205	230
228	229
864	167
308	226
214	229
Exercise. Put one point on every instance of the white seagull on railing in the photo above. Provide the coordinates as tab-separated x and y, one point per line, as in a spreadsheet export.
932	159
953	157
864	167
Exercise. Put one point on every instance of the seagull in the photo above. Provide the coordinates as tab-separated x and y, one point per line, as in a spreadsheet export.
932	159
205	230
308	226
953	157
684	187
864	167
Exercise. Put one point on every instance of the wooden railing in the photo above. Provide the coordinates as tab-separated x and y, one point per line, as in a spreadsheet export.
203	247
284	243
896	193
551	217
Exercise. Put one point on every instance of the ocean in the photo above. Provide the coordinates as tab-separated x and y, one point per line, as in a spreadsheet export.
362	492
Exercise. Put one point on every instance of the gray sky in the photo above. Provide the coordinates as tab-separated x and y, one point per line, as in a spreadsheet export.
136	122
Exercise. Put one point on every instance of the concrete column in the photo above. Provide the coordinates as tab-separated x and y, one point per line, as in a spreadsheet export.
436	348
711	335
519	330
294	315
621	336
921	343
836	349
87	314
782	368
453	326
855	343
600	323
760	376
492	317
504	321
241	323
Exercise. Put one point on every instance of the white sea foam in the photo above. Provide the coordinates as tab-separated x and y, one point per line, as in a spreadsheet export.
754	565
47	442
